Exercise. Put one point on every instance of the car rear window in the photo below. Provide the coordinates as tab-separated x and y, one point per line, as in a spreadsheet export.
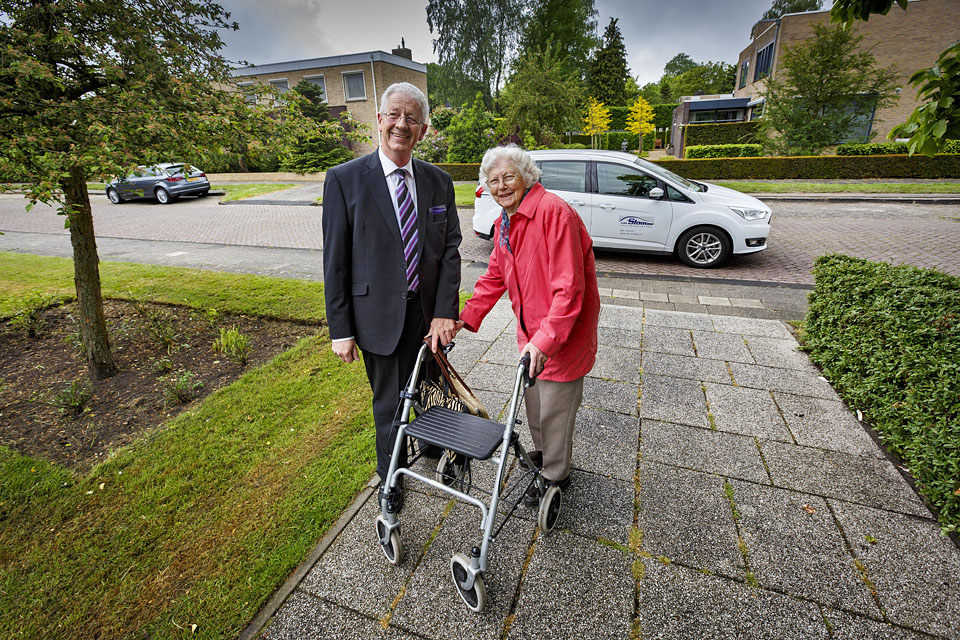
563	175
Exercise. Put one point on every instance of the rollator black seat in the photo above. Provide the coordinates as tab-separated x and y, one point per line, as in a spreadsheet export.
466	434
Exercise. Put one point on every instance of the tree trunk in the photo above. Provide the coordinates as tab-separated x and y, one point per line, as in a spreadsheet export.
86	276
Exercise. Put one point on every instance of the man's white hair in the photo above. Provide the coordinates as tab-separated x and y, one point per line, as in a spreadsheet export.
411	91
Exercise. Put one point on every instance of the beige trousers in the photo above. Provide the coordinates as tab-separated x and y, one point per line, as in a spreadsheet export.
551	414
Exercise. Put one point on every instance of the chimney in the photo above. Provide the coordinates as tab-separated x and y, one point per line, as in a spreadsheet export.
402	51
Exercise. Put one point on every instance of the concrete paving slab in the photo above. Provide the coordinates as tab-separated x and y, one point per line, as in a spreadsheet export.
664	364
826	424
354	572
622	293
621	317
721	346
492	326
832	474
306	617
685	516
465	354
795	547
597	507
677	319
617	363
916	569
496	402
574	588
431	604
704	450
807	382
492	377
605	442
750	326
673	400
653	296
609	395
679	298
847	626
715	301
619	337
778	352
668	340
750	412
678	603
503	350
746	302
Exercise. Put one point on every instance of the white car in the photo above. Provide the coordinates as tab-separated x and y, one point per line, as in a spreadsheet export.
629	203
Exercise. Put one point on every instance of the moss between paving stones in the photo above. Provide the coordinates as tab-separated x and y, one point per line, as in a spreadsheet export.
888	339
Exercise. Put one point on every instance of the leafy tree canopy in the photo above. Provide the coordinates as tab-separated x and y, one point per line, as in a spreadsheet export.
847	11
608	72
470	133
710	77
678	64
570	24
824	88
542	97
780	8
446	85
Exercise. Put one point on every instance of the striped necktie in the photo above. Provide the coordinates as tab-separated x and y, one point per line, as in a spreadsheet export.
408	230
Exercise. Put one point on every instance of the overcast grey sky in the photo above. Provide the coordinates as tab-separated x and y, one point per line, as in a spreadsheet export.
653	30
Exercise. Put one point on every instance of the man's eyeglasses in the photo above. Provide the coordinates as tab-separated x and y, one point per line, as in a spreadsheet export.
508	179
410	120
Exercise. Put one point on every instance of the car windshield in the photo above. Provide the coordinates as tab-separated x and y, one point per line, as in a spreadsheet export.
669	175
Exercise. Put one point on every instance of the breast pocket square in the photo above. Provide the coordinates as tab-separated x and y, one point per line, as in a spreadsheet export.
438	211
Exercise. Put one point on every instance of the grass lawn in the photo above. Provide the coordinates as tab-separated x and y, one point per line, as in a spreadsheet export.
241	191
465	194
199	521
834	187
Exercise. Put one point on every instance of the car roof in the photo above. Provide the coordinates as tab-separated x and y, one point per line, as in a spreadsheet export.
585	154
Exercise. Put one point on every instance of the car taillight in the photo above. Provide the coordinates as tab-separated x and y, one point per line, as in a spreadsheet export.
203	175
479	191
174	178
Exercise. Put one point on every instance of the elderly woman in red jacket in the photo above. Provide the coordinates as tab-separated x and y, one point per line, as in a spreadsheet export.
543	258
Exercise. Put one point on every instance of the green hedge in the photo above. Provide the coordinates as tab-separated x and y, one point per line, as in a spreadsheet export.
724	151
816	167
721	133
618	117
888	339
461	171
663	115
887	148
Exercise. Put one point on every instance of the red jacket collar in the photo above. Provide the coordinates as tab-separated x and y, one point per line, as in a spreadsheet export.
529	204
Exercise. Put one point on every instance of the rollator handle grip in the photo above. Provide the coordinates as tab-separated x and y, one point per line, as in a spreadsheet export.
525	363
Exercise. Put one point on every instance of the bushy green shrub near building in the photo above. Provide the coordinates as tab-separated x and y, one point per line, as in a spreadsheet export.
721	133
888	339
816	167
724	151
887	148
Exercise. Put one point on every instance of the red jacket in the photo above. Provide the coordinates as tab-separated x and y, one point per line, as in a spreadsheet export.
552	283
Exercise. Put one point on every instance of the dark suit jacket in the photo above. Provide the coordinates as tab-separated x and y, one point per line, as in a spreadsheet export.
364	272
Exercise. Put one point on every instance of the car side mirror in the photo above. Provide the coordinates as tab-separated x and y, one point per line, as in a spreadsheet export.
656	193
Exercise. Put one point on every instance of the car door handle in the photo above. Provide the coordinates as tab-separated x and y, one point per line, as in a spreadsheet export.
578	203
607	205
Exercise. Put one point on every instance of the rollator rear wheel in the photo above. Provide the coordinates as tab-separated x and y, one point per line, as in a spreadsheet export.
448	471
476	596
550	509
393	550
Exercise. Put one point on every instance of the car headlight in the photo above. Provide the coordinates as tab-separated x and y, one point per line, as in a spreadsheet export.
750	214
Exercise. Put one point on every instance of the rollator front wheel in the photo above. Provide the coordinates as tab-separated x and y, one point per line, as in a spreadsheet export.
448	470
476	596
550	509
393	550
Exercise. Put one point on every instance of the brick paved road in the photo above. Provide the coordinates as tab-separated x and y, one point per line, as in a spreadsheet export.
923	235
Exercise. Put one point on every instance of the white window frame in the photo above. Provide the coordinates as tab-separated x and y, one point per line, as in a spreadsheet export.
250	98
272	82
320	76
346	95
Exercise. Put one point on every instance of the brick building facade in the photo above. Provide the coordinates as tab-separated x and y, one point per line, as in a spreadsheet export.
353	82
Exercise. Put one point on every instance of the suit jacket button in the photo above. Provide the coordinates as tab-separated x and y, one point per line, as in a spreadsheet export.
403	296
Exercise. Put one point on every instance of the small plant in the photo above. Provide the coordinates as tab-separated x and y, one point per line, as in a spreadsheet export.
212	317
30	319
182	388
75	338
162	366
234	345
72	399
162	329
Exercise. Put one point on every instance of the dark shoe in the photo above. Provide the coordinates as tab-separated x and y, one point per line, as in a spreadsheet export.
536	457
532	496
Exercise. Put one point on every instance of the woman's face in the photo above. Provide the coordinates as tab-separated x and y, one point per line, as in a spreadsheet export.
506	186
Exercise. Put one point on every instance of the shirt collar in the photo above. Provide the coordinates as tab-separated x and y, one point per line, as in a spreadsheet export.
389	166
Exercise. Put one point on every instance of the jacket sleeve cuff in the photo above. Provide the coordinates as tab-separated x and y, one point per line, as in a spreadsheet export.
546	344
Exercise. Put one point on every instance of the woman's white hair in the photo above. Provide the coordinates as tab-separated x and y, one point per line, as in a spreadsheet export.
411	91
514	155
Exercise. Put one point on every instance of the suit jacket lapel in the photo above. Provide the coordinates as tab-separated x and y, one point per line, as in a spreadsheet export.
381	194
423	202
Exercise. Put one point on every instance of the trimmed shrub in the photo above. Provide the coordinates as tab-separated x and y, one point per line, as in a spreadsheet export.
663	115
888	339
724	151
721	133
618	117
816	167
887	148
461	171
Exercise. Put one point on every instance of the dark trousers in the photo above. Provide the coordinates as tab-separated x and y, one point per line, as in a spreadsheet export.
387	376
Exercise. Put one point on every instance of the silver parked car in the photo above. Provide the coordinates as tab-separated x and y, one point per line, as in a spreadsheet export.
164	182
630	204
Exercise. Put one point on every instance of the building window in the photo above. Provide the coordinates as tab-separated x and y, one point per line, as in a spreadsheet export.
354	86
718	115
744	69
319	82
757	112
247	89
764	62
280	85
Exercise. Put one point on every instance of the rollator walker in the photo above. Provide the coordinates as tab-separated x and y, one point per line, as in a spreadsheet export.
466	437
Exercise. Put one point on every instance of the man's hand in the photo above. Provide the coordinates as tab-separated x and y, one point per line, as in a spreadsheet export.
346	350
442	331
537	359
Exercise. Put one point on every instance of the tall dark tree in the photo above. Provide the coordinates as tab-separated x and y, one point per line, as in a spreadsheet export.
570	26
476	39
542	97
446	85
608	72
678	64
780	8
88	90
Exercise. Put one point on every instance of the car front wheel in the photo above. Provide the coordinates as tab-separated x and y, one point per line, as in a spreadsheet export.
163	196
703	247
114	196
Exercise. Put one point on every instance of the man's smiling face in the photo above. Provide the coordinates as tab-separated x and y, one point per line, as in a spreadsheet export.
397	136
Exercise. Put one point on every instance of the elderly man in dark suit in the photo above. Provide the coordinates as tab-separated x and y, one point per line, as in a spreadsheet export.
391	260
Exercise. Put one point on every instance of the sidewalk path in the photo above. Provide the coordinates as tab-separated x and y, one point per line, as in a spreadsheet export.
720	490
